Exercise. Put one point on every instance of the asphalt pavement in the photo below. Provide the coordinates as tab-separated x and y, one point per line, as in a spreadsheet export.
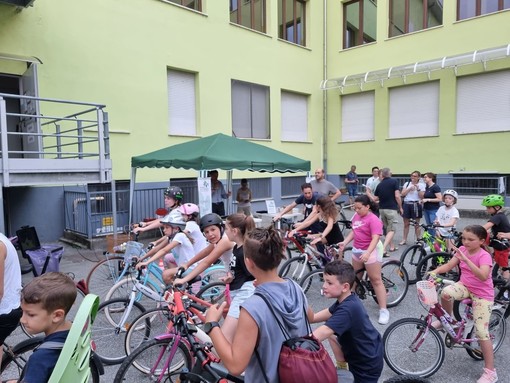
457	366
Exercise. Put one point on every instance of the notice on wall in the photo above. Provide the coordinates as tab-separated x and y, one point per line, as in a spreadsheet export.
271	206
204	195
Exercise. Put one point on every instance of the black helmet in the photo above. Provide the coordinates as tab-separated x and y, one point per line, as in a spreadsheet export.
174	192
211	219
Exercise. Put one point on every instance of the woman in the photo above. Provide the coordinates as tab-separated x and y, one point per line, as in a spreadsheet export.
367	250
412	191
256	329
431	199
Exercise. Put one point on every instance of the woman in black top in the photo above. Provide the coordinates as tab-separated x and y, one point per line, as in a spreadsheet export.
431	199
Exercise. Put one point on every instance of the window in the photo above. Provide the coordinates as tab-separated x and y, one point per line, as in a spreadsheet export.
292	16
249	13
181	103
193	4
483	103
414	15
250	110
360	22
260	188
291	186
414	110
358	117
473	8
294	117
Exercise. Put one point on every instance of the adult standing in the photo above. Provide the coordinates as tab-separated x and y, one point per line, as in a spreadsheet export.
351	180
322	186
218	194
243	198
390	205
431	199
412	191
372	182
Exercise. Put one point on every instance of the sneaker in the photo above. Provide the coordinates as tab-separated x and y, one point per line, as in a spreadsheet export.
384	316
489	376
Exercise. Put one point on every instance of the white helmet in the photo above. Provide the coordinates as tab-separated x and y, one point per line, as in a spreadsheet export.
173	221
451	192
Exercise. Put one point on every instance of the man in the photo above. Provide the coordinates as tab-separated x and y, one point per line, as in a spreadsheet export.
308	198
387	194
372	182
351	182
218	194
322	186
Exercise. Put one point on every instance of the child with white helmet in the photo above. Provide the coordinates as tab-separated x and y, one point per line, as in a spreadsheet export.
447	215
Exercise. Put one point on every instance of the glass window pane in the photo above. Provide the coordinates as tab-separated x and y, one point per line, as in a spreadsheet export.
467	9
489	6
369	20
415	16
397	18
351	29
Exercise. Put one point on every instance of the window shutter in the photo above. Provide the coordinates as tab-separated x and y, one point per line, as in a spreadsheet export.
181	103
294	117
358	117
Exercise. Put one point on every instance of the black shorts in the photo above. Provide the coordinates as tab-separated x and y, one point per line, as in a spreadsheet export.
8	323
412	210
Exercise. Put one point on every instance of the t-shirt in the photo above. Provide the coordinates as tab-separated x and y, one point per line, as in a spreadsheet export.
501	224
413	195
308	203
445	215
41	363
334	236
323	187
238	269
360	341
482	289
372	183
430	192
12	278
386	193
351	176
184	252
199	241
363	228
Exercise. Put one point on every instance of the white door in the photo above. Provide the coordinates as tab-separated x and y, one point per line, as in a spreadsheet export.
31	144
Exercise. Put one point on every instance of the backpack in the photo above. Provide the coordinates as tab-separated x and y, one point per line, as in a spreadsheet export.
302	359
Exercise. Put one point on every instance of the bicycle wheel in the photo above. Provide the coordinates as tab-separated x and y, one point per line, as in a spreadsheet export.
395	281
103	275
434	260
411	349
406	379
214	293
14	360
312	287
106	333
123	289
145	363
147	326
213	274
497	332
295	268
410	259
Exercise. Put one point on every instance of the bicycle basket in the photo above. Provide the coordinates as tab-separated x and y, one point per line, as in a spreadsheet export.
133	249
427	292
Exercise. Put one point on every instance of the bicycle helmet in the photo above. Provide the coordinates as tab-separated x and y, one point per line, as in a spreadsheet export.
188	208
452	193
493	200
173	221
174	192
211	219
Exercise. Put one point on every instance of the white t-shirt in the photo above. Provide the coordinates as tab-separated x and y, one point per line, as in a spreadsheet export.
199	241
12	278
444	215
184	252
414	194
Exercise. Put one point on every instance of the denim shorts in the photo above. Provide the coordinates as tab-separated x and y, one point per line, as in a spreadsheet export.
238	297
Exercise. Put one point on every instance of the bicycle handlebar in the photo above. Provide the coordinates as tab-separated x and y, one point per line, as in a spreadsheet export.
434	278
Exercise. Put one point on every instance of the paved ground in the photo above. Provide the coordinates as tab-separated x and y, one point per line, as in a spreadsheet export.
458	366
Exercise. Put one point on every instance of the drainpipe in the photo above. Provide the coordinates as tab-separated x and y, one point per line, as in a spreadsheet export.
324	93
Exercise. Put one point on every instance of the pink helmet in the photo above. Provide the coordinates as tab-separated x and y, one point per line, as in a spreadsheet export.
188	208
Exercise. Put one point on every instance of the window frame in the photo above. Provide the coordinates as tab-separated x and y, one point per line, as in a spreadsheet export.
239	17
284	26
197	8
478	9
361	21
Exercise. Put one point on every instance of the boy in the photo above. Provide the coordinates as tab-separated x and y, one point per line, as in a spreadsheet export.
360	342
45	301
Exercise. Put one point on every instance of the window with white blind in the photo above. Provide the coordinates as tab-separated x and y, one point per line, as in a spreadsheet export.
250	110
181	103
358	117
414	110
483	103
294	117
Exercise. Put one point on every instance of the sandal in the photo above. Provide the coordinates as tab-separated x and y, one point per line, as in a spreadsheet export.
393	250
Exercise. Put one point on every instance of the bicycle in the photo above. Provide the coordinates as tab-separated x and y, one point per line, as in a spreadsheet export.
181	346
423	246
413	346
433	261
394	278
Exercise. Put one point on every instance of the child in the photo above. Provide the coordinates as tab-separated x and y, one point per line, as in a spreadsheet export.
256	328
447	216
476	283
190	214
243	198
239	278
45	301
347	319
178	250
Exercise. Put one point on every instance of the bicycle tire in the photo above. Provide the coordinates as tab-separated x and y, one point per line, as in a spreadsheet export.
497	332
213	274
410	259
311	284
147	326
12	364
123	288
214	293
406	379
295	268
135	367
398	355
109	340
103	275
432	261
396	282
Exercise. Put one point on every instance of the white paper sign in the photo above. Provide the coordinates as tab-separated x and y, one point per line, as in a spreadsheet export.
204	195
271	206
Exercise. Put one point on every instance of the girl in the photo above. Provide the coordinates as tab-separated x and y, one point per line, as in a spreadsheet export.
476	283
178	248
447	216
412	192
263	252
190	215
367	250
239	278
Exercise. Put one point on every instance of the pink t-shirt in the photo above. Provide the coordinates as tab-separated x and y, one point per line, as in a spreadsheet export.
364	228
482	289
